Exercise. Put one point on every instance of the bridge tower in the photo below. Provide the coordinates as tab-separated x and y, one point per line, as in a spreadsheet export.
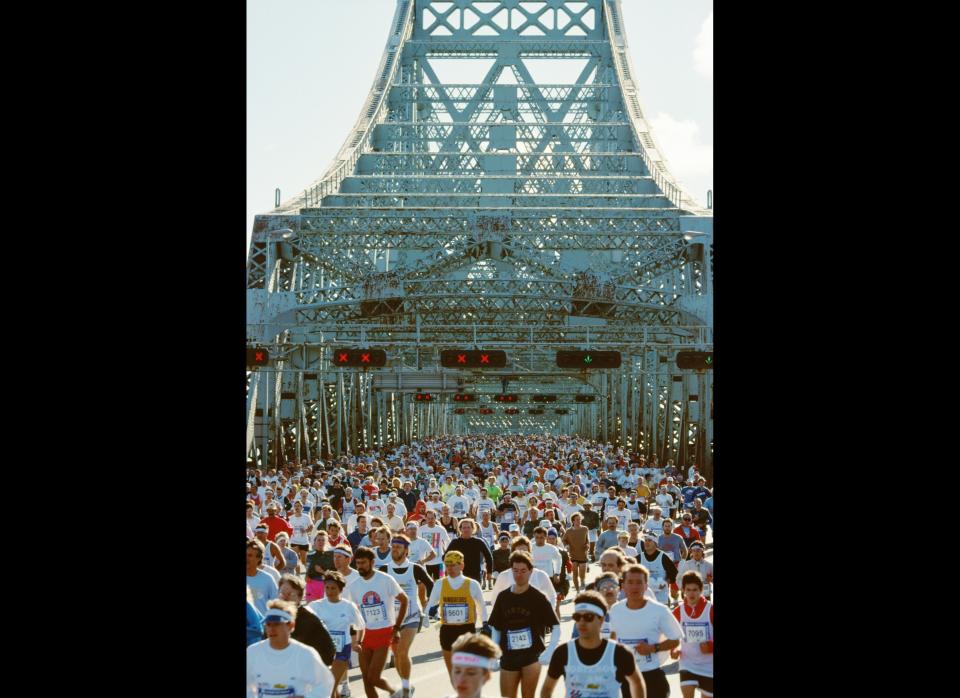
510	212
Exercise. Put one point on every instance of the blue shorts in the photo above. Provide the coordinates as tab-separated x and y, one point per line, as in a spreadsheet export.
344	655
415	624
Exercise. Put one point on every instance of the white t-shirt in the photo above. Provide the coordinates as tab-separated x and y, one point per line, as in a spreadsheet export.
435	506
651	624
376	507
438	538
655	526
374	597
302	528
459	506
419	549
538	580
665	502
296	670
338	618
547	557
349	579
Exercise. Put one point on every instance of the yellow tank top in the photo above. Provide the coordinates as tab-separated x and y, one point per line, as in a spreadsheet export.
457	606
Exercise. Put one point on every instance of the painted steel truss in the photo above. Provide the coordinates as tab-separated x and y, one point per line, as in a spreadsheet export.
504	209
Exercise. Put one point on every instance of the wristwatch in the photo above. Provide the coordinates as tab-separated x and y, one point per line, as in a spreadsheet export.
656	647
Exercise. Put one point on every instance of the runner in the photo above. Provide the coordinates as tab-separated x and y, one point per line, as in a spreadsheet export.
420	551
591	521
262	585
412	578
344	623
642	625
673	545
375	593
591	664
474	661
272	555
342	556
459	601
520	617
475	552
439	539
577	540
302	526
308	629
697	563
660	566
538	580
281	666
608	538
695	616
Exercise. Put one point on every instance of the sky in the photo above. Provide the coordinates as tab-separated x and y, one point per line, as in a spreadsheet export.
310	65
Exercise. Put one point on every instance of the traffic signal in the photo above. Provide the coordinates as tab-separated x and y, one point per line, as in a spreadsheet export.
459	410
544	398
584	398
561	410
535	410
701	360
473	358
257	356
511	410
588	359
506	398
464	397
486	410
359	358
423	397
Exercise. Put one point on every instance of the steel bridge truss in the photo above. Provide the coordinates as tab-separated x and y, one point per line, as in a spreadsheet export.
526	208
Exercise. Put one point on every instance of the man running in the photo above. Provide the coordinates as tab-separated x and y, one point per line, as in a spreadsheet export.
438	538
642	625
263	587
695	616
410	577
591	664
576	540
375	593
475	551
519	620
460	603
280	665
343	621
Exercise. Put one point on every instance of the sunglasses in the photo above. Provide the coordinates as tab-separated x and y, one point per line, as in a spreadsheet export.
586	617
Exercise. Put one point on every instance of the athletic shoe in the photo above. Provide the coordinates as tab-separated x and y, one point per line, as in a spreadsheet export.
345	690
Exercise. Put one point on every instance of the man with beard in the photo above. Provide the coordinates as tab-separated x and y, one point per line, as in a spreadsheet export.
375	593
413	579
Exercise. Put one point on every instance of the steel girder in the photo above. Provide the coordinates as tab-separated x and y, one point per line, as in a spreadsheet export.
488	202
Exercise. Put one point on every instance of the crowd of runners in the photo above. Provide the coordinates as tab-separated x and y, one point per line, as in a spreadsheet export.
348	560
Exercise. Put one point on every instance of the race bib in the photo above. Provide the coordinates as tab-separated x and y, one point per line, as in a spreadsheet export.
455	613
508	516
696	632
374	614
339	638
641	658
277	689
519	639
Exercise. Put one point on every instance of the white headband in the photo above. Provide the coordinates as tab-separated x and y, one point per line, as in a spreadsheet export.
467	659
275	615
586	607
341	551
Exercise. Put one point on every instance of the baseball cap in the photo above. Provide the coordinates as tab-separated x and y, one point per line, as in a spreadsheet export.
514	527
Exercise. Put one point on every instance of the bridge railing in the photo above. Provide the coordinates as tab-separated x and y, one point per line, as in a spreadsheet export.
374	112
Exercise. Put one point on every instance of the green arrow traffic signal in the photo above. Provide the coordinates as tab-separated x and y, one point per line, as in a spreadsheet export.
587	359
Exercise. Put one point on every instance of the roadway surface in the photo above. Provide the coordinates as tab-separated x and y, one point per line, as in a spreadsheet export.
429	675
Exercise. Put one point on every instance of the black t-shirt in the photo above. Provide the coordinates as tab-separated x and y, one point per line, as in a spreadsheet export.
622	659
450	526
518	611
475	553
334	495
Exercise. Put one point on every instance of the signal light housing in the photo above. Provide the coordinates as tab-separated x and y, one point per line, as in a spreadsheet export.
543	398
359	358
506	398
699	360
584	398
257	356
561	410
464	397
423	397
473	358
586	360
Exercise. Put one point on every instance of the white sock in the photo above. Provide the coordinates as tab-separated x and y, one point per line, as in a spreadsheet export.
405	683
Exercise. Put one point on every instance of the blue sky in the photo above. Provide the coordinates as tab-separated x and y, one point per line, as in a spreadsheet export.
310	64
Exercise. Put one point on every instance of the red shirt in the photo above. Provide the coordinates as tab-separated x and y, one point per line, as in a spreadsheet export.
688	537
275	524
